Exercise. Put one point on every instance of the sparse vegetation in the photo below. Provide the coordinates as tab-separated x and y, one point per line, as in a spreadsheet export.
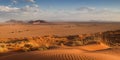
25	44
3	48
111	38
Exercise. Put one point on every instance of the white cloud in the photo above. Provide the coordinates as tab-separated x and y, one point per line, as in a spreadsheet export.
86	9
14	2
33	8
8	9
32	1
35	12
27	12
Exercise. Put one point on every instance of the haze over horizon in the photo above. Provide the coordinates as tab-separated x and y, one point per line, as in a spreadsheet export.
60	10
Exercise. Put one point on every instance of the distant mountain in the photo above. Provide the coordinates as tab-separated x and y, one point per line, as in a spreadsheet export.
37	22
12	21
96	21
99	21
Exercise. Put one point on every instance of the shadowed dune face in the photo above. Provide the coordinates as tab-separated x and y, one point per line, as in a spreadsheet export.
64	54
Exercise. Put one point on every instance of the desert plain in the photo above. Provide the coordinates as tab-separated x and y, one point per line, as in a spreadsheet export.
60	41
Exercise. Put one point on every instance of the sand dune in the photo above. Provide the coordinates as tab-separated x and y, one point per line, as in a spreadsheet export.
94	51
16	31
64	54
95	47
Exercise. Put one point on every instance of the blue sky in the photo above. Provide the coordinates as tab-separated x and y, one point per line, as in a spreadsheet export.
50	7
66	4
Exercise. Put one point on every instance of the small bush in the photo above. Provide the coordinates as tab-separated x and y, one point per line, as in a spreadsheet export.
24	49
2	50
28	47
43	47
73	37
52	47
75	43
79	43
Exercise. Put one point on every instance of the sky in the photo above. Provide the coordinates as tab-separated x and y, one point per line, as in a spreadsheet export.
60	10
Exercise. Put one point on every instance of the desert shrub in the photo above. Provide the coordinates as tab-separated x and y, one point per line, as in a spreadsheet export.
73	37
44	47
3	49
74	43
111	38
12	32
79	43
91	42
16	40
2	45
69	43
31	47
23	49
27	47
59	42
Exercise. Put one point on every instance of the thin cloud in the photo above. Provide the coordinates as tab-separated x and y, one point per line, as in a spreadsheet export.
32	1
7	9
14	2
85	9
30	12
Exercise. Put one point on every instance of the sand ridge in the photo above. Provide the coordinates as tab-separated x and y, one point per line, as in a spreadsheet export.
59	54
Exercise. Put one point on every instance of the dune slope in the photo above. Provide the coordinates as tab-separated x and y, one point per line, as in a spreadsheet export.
60	54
